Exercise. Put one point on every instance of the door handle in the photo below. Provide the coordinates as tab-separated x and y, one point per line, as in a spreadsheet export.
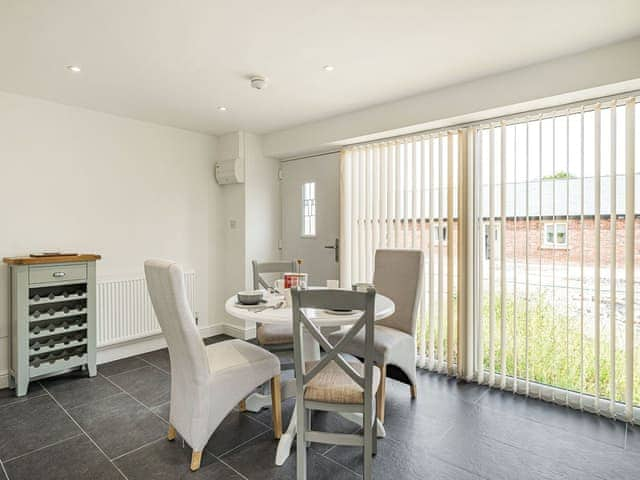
336	247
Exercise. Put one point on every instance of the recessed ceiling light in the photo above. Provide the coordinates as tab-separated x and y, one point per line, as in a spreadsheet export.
328	68
222	109
73	68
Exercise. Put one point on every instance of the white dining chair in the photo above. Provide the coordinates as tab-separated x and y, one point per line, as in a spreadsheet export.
206	381
398	274
334	384
272	337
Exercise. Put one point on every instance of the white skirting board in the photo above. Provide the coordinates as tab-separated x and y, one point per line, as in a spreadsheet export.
113	352
244	333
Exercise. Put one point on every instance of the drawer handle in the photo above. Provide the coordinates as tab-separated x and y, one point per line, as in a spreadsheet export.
59	274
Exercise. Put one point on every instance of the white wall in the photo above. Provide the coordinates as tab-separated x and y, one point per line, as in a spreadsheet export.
577	77
84	181
262	204
254	210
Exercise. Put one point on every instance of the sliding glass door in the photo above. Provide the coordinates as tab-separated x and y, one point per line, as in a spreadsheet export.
529	230
558	308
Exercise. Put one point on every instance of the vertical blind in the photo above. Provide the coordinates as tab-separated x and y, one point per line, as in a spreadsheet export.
406	193
528	226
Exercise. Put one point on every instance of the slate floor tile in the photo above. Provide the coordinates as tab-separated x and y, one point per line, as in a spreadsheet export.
235	429
73	459
121	366
394	462
581	423
433	408
159	358
119	424
162	410
33	424
164	460
149	385
453	430
489	458
216	339
77	388
265	415
8	395
554	444
261	452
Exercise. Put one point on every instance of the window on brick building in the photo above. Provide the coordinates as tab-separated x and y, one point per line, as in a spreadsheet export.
555	235
439	234
487	241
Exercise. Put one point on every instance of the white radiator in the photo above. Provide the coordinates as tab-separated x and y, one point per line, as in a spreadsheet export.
124	310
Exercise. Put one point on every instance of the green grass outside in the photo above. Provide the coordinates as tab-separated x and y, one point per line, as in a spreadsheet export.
553	348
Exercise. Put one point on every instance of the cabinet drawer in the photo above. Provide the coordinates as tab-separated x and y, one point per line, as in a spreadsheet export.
57	273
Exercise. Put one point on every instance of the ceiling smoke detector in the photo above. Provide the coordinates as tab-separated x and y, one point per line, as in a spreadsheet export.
258	82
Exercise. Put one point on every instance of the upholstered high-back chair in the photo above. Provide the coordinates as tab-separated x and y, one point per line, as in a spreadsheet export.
398	275
334	384
206	381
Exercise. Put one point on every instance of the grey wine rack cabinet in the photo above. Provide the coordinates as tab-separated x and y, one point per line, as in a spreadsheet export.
53	317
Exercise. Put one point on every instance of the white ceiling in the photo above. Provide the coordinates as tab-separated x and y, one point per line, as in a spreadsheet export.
174	61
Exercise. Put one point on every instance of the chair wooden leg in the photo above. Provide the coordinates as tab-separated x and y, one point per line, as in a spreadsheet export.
242	406
196	458
381	393
171	435
414	391
276	406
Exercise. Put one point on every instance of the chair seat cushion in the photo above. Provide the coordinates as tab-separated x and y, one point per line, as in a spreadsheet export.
239	355
274	334
333	385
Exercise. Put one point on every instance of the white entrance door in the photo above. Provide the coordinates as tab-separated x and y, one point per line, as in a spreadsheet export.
310	215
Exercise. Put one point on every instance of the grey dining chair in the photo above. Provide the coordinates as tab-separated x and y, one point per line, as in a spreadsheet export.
398	274
334	384
206	381
272	336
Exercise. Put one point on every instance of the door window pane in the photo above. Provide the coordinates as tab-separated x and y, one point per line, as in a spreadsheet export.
309	209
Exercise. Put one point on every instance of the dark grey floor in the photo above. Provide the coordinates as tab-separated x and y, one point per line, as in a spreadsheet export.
114	426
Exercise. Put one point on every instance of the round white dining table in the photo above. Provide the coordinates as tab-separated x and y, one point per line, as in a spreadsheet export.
274	312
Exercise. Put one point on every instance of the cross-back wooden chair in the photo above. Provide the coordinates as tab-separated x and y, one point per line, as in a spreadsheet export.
334	384
272	336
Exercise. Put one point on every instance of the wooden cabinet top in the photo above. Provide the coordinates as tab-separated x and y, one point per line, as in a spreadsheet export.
83	257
